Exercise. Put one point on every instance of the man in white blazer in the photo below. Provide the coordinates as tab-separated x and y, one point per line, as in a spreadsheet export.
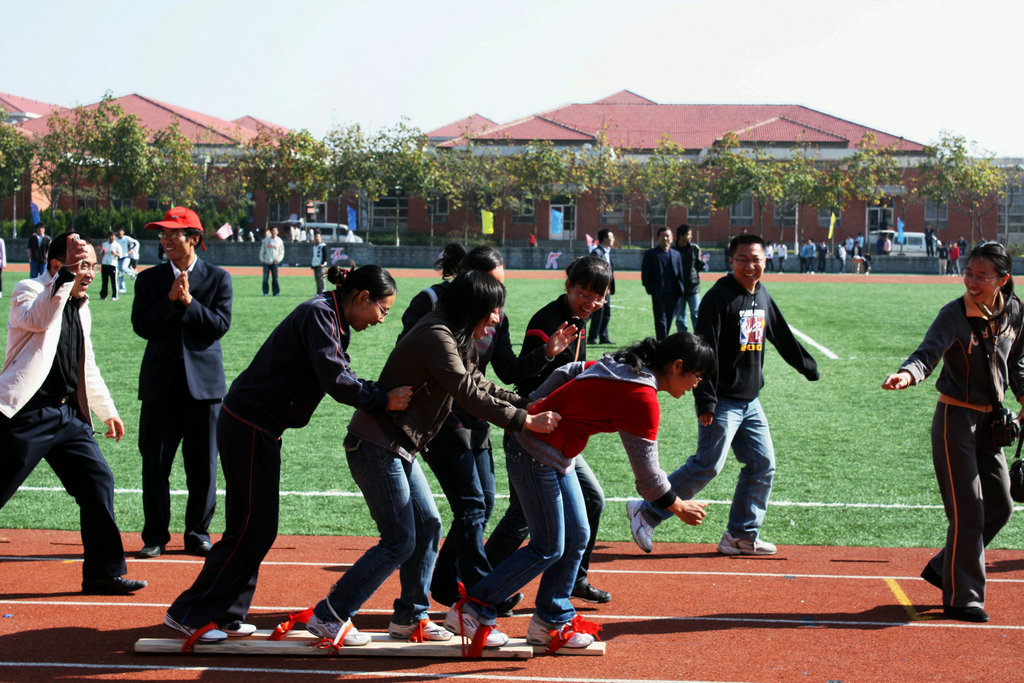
48	385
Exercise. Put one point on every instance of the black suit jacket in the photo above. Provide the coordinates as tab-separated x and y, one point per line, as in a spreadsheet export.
650	270
173	331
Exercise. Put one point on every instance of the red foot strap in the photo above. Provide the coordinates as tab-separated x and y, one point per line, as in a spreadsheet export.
286	625
578	625
418	635
333	645
476	645
190	642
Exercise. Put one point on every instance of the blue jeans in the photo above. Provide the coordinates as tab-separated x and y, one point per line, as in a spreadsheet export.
400	502
467	479
691	300
270	271
743	426
553	505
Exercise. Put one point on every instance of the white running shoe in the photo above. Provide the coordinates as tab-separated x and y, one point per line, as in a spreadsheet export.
211	636
730	545
539	633
331	629
237	629
431	631
469	625
643	533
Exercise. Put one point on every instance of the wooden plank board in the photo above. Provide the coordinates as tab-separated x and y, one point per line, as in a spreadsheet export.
595	649
299	644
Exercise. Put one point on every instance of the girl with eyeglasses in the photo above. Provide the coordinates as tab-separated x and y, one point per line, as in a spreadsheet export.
303	359
978	338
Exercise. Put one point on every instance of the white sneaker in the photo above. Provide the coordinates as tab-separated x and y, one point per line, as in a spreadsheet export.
331	629
211	636
539	632
730	545
469	625
643	533
238	629
431	631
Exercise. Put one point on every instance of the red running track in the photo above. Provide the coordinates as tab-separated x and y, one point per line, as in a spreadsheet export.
682	613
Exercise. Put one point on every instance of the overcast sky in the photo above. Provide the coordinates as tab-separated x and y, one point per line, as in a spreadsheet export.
912	68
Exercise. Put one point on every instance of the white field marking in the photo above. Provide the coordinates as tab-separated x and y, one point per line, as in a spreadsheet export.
504	496
160	560
320	671
596	617
808	340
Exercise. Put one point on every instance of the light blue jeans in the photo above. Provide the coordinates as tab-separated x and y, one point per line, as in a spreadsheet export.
691	300
743	426
553	505
400	502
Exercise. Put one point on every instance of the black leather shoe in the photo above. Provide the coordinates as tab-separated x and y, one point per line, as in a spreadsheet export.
506	606
975	614
148	552
115	585
607	341
932	576
584	591
201	549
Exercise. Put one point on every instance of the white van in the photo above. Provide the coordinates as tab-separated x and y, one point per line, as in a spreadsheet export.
913	243
333	232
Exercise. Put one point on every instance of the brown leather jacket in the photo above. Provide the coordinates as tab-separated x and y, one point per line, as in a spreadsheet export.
427	358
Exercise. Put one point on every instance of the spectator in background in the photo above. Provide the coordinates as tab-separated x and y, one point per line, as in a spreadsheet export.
823	257
128	245
954	259
108	269
599	319
693	265
840	256
769	256
133	258
929	241
319	261
271	256
943	254
780	256
38	245
182	308
661	273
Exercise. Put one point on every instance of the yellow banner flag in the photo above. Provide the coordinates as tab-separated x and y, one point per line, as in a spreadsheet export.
487	220
831	224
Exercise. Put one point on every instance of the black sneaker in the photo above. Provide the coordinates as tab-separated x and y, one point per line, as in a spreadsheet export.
584	591
506	606
975	614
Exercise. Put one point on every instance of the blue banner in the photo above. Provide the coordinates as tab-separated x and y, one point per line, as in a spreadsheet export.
353	222
556	223
899	231
35	214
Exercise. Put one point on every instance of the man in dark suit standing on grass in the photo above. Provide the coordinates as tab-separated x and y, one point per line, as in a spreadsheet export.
181	308
661	273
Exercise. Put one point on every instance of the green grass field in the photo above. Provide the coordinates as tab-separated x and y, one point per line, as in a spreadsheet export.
854	462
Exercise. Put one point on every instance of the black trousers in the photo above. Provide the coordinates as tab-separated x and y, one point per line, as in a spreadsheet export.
664	314
108	274
57	434
599	320
222	593
179	419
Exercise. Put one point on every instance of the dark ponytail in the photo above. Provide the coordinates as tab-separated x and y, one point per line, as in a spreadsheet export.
695	353
374	279
451	259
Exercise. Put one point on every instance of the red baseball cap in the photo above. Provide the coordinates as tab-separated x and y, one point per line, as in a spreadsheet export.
179	218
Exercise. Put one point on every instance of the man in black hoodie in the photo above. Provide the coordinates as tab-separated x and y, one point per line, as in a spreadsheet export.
736	316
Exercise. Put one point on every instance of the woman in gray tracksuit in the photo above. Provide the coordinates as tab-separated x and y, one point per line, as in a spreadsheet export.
969	466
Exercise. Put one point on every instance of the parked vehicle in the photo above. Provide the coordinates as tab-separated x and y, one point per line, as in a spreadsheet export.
334	232
913	243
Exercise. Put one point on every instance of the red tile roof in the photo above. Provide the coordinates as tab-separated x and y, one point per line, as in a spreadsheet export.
256	124
201	129
22	105
470	124
633	122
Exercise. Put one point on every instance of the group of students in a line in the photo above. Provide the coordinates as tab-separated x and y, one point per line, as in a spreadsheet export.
432	398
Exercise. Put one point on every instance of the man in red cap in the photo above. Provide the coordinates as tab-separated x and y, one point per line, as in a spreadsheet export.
182	308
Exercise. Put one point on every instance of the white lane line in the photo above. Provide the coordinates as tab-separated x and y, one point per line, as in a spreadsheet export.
813	343
320	671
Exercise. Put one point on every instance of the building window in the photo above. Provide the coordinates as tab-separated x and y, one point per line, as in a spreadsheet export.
785	214
568	208
120	203
657	214
439	210
153	203
86	203
1011	211
277	212
525	211
741	214
825	217
699	213
613	206
390	210
936	214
